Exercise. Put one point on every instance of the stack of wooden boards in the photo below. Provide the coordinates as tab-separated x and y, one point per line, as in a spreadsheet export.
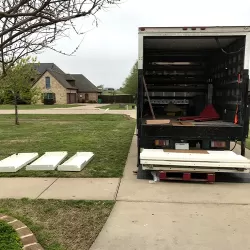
193	160
169	122
47	162
155	122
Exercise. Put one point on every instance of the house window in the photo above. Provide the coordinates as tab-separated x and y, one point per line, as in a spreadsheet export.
49	96
47	82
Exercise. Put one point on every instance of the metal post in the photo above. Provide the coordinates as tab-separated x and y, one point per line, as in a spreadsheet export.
149	102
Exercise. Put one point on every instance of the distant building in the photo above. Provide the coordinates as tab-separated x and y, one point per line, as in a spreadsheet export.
65	88
109	89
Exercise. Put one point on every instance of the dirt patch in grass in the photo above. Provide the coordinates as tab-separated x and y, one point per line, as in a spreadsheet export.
19	141
61	225
58	122
127	117
15	141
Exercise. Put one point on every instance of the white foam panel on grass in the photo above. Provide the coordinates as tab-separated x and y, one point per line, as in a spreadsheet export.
49	161
77	162
15	162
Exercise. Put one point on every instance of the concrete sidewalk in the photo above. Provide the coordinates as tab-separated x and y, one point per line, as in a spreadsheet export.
178	216
61	188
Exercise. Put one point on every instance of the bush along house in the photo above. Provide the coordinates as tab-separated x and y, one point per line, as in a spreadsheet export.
61	88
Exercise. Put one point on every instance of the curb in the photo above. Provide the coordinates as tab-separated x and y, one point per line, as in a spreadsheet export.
28	239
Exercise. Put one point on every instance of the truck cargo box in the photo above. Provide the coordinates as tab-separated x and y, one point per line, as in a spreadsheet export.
196	78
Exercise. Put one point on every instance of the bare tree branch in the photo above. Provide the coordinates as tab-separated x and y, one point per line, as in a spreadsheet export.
30	26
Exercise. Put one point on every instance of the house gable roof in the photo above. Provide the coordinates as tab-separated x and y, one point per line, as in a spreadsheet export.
61	79
57	73
84	85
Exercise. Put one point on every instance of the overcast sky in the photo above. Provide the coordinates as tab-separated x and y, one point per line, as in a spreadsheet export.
108	52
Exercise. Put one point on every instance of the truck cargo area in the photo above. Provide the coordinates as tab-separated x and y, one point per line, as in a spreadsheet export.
190	73
192	93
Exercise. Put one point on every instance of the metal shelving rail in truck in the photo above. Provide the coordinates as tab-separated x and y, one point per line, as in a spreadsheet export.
192	101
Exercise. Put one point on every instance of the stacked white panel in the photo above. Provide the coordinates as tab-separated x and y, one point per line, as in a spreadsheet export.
77	162
49	161
15	162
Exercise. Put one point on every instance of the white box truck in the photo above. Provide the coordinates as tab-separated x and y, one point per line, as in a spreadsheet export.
192	99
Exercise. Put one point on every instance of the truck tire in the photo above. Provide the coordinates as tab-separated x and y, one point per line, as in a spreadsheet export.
143	174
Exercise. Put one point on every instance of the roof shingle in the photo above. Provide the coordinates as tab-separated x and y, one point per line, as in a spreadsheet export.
80	81
84	85
56	72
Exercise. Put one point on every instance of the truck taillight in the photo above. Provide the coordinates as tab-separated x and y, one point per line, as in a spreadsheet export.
193	28
161	142
142	29
218	144
185	28
203	28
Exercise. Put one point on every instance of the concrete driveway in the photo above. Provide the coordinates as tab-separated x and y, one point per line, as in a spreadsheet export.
182	216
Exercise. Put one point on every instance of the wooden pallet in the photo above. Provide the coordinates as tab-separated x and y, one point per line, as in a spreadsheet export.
187	176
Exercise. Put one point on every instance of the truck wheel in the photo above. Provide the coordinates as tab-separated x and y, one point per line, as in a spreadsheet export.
143	174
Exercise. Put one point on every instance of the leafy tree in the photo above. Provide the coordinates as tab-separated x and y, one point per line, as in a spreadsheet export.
131	82
17	84
100	86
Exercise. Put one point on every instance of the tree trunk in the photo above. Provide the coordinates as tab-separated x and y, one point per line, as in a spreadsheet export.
16	111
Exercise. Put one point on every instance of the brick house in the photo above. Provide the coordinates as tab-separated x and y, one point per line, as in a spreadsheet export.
65	88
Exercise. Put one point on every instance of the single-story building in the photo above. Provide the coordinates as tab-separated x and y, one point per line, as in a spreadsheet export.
64	88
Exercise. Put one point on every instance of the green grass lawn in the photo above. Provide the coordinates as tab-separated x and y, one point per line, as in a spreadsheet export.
37	106
60	225
9	238
248	142
108	136
117	107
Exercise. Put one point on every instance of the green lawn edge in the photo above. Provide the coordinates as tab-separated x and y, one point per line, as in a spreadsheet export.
9	239
60	224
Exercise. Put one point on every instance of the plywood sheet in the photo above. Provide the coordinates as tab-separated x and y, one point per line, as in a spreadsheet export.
49	161
182	124
15	162
77	162
176	124
154	122
186	151
187	123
